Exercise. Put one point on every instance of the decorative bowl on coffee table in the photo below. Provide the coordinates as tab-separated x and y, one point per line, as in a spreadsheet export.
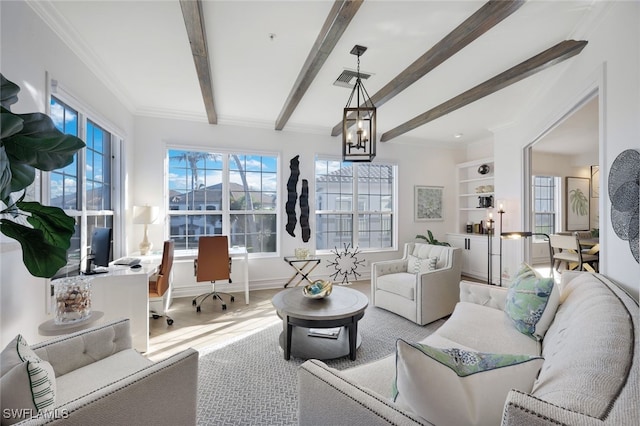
318	289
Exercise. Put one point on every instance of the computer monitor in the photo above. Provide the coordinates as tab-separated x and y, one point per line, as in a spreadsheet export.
101	246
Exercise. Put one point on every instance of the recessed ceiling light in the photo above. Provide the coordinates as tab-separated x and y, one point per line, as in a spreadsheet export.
457	135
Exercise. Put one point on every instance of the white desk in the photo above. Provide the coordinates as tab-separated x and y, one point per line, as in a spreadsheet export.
124	293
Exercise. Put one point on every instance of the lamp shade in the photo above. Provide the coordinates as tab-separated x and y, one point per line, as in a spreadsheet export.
145	215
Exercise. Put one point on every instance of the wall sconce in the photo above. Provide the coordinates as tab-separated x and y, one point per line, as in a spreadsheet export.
359	146
145	215
525	234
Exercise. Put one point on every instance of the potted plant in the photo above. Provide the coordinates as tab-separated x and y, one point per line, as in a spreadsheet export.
430	240
29	142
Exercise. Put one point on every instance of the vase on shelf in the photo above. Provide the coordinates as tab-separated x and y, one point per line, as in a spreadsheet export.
72	299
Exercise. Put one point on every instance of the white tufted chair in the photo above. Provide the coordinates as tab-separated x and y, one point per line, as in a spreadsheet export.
101	379
420	295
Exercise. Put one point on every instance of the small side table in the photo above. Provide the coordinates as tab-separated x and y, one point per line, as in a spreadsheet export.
50	328
306	266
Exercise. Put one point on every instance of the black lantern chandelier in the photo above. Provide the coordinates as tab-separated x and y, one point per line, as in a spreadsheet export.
359	143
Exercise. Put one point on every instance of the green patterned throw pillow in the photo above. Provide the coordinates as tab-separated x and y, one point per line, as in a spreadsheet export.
526	270
477	382
532	303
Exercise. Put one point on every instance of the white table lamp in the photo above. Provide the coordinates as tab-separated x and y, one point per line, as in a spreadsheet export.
145	215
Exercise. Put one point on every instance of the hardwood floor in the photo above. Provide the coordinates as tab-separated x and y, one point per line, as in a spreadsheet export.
213	326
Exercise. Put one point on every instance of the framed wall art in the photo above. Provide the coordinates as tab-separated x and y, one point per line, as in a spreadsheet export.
577	204
428	203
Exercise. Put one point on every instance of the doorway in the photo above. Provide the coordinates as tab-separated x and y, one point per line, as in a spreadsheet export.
569	149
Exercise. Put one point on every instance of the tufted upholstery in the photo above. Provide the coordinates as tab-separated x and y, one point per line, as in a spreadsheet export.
481	294
101	379
423	297
87	348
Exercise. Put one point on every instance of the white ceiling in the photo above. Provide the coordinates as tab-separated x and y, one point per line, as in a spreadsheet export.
257	48
577	133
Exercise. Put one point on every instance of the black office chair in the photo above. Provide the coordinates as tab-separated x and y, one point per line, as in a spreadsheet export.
213	264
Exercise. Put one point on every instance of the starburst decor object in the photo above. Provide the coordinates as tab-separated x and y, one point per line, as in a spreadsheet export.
346	263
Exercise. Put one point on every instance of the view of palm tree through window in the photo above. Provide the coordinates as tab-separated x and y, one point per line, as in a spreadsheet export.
223	194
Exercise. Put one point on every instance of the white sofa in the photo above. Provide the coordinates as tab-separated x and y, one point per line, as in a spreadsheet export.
409	288
101	379
589	376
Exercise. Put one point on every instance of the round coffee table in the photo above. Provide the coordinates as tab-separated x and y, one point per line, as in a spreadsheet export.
342	309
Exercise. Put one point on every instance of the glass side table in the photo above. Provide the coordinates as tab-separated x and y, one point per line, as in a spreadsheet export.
303	268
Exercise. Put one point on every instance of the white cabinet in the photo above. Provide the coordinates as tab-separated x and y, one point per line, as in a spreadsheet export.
474	253
475	192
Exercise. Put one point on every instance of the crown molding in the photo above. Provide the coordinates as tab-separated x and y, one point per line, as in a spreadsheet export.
47	11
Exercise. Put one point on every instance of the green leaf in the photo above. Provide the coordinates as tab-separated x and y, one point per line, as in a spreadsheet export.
41	145
10	123
22	175
8	92
5	175
56	226
41	258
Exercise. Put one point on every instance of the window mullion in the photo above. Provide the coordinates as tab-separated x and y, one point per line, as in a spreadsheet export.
226	202
82	178
354	207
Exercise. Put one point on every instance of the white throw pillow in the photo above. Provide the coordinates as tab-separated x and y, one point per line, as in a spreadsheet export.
458	387
420	265
16	352
27	389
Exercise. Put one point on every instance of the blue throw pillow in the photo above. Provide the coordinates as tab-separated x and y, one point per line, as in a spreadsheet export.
532	303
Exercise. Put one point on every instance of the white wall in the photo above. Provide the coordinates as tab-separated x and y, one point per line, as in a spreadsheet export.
610	63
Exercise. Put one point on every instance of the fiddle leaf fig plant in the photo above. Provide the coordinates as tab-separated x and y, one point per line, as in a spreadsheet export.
29	142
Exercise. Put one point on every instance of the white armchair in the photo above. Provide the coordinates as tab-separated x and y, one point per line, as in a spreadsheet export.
98	378
423	286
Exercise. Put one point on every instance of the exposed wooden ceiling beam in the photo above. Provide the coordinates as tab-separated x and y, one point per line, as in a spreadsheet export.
485	18
194	21
558	53
334	26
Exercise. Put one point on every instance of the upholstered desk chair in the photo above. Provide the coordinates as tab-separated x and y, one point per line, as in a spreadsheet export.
160	284
566	249
213	264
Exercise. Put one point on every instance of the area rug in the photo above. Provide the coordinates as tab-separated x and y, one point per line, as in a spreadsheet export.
248	382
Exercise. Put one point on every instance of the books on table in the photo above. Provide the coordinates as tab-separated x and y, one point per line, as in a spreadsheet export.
330	333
